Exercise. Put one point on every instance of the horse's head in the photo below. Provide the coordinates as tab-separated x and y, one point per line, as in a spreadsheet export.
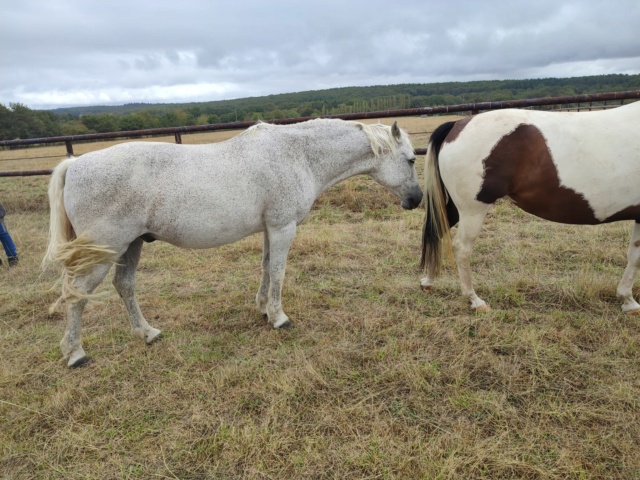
395	167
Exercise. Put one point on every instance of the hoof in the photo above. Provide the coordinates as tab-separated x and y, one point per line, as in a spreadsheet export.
482	309
286	325
80	362
633	312
426	288
153	335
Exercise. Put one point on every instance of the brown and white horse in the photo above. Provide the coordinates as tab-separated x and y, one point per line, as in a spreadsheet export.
574	168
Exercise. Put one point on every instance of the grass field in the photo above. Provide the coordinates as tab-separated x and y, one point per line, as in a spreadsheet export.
376	381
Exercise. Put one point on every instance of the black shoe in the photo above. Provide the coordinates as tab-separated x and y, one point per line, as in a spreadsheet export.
13	261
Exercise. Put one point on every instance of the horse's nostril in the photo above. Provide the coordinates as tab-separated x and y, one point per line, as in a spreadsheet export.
409	203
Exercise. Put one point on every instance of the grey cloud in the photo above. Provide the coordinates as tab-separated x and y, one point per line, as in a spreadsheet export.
84	49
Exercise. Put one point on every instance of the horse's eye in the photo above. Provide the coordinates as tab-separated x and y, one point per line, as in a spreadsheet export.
412	161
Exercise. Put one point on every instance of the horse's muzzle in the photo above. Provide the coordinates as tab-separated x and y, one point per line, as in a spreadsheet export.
412	199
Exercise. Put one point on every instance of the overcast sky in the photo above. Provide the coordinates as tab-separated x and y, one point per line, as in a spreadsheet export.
57	53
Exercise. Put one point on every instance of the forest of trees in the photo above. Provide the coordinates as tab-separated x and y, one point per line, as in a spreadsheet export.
19	121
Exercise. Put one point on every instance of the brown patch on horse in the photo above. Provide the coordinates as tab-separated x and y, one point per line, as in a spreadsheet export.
521	166
629	213
457	128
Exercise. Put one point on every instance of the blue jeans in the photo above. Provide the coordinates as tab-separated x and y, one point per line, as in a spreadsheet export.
7	242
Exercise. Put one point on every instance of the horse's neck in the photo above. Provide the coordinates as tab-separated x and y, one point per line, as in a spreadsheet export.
341	156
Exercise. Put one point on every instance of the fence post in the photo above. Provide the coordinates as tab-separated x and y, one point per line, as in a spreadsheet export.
69	148
178	137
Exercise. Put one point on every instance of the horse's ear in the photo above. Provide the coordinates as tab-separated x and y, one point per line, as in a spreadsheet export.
396	131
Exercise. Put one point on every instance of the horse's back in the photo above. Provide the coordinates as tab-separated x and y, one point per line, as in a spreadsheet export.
192	196
196	196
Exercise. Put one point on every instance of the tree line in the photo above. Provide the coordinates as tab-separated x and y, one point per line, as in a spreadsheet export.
19	121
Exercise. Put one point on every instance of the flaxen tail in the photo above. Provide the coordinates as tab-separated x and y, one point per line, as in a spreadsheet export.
441	212
60	229
77	253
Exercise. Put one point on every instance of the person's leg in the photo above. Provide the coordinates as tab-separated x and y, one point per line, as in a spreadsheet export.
8	245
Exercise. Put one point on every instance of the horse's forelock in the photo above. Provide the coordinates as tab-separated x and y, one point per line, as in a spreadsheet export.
381	138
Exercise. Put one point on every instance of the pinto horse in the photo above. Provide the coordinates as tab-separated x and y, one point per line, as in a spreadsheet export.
573	168
106	203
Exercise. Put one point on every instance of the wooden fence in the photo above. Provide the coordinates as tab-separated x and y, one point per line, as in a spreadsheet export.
575	102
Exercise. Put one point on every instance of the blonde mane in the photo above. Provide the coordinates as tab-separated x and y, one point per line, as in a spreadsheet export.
380	136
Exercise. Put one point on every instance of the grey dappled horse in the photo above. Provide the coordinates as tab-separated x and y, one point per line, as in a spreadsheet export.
106	203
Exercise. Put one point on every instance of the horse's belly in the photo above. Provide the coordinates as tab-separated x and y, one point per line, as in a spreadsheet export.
205	234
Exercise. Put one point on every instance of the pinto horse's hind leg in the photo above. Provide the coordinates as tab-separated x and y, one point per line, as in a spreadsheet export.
468	230
625	286
124	281
71	343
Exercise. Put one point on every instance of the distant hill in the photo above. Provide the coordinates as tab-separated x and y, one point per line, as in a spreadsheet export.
18	121
415	95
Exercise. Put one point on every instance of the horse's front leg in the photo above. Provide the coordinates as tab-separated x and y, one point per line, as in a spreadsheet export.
625	286
468	230
280	239
263	291
427	283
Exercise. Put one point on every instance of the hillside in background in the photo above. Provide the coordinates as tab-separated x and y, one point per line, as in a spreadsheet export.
18	121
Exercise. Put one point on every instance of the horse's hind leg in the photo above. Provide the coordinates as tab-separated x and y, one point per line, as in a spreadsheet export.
125	282
71	343
468	230
625	286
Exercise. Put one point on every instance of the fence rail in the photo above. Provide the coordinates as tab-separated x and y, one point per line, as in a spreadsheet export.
577	100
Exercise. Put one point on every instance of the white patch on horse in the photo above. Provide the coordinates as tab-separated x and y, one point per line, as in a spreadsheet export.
602	137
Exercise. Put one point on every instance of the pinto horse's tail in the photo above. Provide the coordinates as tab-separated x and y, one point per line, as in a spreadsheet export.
77	253
441	213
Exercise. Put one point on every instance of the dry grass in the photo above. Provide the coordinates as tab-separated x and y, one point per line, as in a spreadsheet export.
377	380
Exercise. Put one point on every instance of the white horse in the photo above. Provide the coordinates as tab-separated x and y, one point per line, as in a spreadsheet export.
106	203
